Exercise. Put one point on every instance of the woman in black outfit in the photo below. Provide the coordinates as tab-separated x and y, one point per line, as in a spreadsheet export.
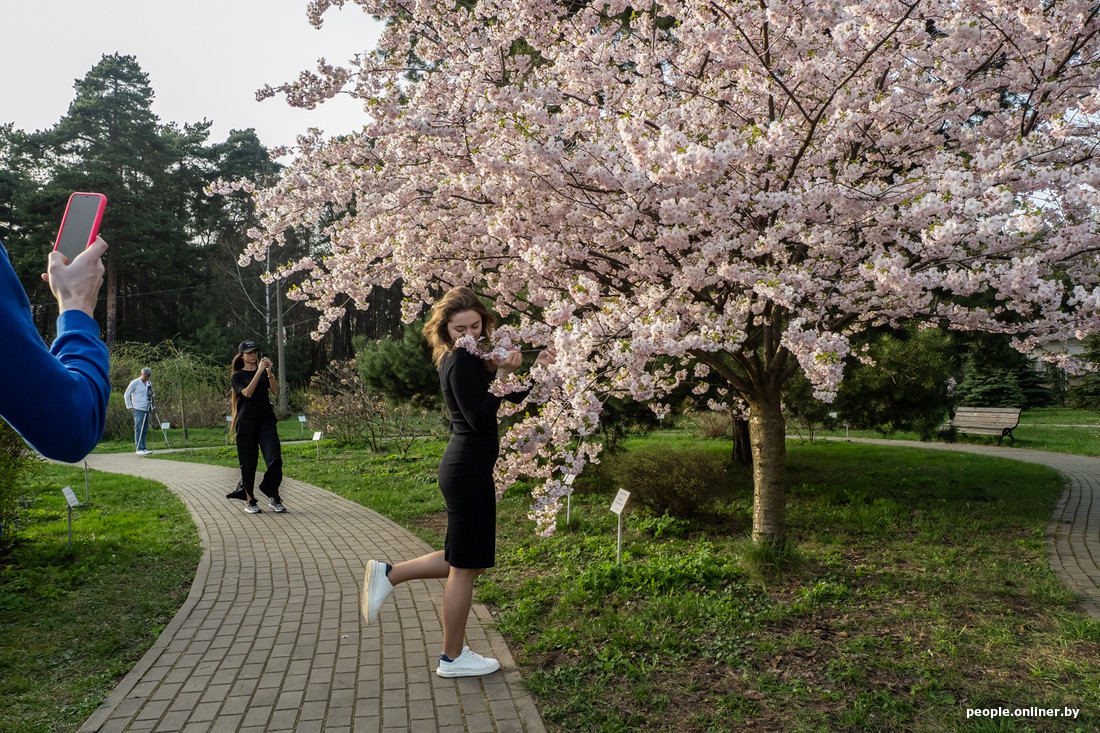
256	427
465	477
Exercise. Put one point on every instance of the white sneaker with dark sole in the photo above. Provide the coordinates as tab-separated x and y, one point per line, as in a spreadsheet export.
279	508
468	664
253	508
376	588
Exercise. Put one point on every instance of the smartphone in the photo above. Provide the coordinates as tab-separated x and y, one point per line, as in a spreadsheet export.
80	225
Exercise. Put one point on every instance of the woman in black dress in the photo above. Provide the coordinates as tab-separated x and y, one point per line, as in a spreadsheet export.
465	477
256	427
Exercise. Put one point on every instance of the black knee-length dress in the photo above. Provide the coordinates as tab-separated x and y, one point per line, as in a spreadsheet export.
466	470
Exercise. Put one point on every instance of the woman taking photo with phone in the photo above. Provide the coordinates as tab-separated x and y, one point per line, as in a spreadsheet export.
254	422
465	478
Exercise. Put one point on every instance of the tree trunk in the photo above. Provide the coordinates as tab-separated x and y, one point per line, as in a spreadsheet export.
112	301
183	403
769	454
742	445
280	337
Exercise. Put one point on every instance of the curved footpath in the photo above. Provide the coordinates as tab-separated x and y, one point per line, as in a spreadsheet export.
271	638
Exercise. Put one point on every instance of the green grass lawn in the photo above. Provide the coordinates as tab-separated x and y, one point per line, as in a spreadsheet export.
1053	429
1061	416
74	621
922	591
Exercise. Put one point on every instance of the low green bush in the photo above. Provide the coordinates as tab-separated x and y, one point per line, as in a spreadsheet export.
680	481
662	526
713	425
703	567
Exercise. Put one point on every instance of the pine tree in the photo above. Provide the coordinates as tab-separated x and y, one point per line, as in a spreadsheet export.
111	142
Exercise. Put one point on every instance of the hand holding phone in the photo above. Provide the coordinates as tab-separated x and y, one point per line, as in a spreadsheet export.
80	225
76	284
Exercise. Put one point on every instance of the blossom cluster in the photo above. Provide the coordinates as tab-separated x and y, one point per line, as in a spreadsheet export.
495	349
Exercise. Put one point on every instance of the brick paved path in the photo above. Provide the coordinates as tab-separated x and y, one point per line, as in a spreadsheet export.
1073	533
271	638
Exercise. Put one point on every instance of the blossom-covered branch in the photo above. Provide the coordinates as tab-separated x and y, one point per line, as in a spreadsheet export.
746	185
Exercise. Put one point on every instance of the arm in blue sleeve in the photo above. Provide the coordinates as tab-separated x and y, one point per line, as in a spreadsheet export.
56	399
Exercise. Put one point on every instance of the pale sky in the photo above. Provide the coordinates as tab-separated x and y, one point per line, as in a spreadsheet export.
205	59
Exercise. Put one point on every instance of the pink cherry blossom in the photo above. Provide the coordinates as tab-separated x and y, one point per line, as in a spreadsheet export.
737	187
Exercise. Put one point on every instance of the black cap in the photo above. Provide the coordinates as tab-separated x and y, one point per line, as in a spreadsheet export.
246	346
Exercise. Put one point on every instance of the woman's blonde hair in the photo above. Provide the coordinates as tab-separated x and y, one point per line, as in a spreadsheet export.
455	301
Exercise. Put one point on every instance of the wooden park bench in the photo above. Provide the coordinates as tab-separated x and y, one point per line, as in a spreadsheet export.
999	421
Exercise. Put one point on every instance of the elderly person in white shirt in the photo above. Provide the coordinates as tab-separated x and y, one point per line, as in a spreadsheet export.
139	400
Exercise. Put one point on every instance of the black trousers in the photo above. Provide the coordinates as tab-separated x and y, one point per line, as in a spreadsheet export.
253	437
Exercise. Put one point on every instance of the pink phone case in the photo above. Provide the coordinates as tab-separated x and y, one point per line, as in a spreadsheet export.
80	225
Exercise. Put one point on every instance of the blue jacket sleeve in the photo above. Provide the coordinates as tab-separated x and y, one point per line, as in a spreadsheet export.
55	398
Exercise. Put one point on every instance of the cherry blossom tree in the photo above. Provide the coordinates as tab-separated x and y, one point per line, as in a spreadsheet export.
717	191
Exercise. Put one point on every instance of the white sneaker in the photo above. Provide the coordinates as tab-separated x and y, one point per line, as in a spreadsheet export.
146	452
139	453
468	664
376	587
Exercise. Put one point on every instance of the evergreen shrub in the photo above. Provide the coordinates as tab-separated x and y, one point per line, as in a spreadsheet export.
401	369
1086	394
